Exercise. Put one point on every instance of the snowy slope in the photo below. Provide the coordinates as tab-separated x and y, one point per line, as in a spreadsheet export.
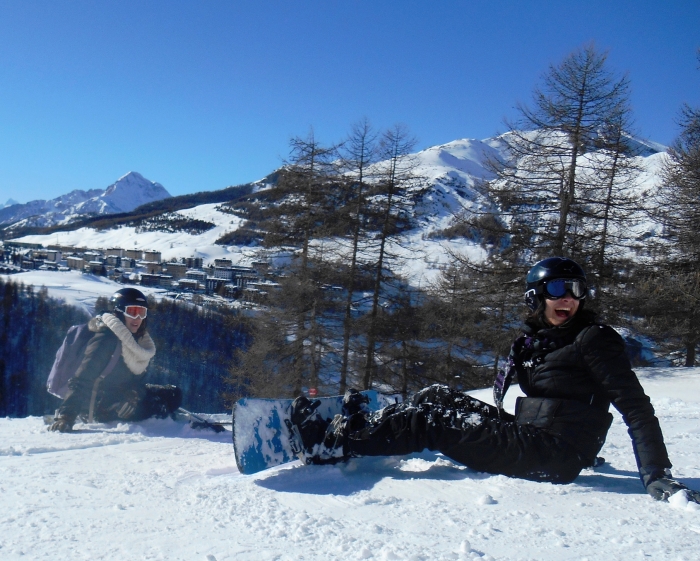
171	245
453	171
127	193
159	490
72	287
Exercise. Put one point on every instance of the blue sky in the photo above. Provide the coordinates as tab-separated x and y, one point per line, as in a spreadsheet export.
202	95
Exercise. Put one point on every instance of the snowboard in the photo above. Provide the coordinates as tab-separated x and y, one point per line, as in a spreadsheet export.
218	422
261	439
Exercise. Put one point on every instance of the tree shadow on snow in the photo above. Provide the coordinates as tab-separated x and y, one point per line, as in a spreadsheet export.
362	474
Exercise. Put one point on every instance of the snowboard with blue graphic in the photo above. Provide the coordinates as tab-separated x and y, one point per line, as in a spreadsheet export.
261	439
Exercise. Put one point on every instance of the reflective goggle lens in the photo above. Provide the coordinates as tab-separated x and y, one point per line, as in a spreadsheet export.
558	288
135	312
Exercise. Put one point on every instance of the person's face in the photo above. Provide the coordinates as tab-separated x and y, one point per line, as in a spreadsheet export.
132	324
558	311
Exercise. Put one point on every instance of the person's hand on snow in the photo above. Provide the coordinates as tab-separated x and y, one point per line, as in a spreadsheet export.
664	487
62	424
660	484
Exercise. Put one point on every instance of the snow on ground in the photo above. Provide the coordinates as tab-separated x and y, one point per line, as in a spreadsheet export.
160	490
72	287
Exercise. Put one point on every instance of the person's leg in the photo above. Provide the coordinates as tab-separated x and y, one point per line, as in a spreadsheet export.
445	397
316	440
402	428
523	451
468	436
159	402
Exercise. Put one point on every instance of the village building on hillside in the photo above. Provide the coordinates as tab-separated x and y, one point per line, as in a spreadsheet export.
145	267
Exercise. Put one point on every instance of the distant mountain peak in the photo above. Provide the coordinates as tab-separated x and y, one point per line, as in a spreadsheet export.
130	191
124	195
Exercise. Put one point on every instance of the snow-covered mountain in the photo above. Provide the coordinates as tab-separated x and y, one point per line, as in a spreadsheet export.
453	172
9	202
127	193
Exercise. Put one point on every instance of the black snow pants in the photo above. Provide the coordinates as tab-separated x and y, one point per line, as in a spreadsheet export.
468	431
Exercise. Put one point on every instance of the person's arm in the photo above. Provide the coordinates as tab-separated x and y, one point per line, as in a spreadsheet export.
604	353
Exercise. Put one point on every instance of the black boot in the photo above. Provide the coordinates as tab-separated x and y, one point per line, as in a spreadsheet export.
315	440
355	402
161	401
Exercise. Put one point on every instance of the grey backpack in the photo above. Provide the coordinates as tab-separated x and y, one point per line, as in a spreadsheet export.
68	358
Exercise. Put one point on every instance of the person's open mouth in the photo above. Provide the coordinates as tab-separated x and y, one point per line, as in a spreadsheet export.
563	313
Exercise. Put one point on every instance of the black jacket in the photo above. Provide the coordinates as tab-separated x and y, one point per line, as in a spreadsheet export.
571	374
110	392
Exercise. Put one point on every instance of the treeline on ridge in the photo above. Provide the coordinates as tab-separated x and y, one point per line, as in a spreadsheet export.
142	214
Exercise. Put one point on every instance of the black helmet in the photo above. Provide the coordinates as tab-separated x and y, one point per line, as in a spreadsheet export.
127	297
551	269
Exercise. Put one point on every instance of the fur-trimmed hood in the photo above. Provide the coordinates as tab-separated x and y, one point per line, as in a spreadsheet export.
137	353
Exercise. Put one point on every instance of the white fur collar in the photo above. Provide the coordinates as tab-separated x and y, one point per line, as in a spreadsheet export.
136	354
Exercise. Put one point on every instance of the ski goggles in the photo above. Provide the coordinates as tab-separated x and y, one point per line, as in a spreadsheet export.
136	312
557	288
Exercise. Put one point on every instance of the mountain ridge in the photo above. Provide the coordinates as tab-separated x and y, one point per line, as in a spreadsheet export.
453	170
127	193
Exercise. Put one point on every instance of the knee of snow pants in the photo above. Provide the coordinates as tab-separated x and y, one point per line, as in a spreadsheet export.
160	401
447	398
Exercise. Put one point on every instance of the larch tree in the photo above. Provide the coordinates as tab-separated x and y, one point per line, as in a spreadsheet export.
391	202
287	332
557	158
358	155
670	290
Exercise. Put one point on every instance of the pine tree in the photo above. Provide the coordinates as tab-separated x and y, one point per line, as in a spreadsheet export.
670	289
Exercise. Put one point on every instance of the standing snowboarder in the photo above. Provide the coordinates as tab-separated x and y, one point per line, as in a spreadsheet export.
570	368
109	383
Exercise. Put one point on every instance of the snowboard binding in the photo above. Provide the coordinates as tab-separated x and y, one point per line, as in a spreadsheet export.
313	439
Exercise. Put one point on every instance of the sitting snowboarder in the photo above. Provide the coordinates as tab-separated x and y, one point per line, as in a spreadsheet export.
570	368
109	382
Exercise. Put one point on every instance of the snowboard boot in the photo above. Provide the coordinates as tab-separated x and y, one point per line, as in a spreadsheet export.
356	409
355	402
315	440
161	401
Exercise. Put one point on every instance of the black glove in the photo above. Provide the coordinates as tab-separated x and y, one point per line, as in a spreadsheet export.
661	489
128	407
62	424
